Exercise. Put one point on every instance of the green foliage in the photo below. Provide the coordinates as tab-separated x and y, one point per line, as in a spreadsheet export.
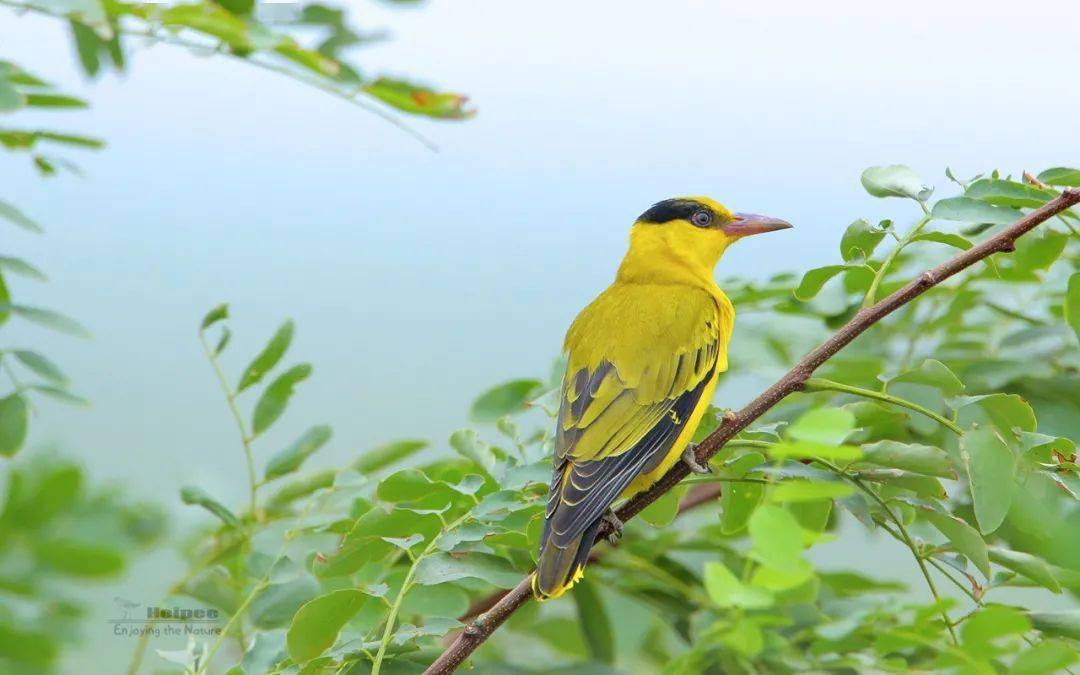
947	430
246	30
57	531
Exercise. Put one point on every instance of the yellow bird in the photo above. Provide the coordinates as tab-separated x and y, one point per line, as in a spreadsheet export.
644	358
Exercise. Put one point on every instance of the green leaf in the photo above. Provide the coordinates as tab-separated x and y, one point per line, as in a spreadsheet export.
594	622
317	623
39	365
444	600
14	420
36	650
223	341
861	238
922	459
413	485
440	568
59	394
738	500
777	538
1060	176
1030	566
852	584
1007	412
1064	623
947	238
419	100
405	543
806	491
87	43
290	459
80	558
21	268
923	486
300	488
387	454
663	511
965	538
1072	304
268	357
54	101
216	314
991	468
364	543
828	426
48	319
968	210
1008	193
212	20
896	180
275	398
1049	656
14	215
238	7
809	450
467	444
505	399
727	591
814	279
1039	250
992	622
10	98
275	605
196	496
264	651
933	373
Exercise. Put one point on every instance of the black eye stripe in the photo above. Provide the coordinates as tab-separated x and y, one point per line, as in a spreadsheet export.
677	209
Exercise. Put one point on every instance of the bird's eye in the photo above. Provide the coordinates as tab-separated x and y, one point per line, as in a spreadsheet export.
701	218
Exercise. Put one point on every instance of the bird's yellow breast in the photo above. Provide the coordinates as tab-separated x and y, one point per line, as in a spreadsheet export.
648	331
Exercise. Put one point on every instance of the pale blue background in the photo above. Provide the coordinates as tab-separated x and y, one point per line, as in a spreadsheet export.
418	279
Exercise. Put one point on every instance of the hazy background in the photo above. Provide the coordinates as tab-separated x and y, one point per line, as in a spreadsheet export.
418	279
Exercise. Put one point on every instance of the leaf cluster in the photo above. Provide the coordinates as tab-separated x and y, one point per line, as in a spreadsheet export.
945	431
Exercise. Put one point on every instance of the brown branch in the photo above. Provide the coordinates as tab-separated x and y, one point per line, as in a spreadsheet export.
479	630
697	496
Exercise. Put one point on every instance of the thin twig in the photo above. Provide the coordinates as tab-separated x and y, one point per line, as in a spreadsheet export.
351	96
819	384
793	381
904	537
245	437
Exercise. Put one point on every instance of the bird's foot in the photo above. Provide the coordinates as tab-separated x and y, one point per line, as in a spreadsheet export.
689	458
730	417
615	524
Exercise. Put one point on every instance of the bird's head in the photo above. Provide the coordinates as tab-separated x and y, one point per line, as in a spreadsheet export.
688	234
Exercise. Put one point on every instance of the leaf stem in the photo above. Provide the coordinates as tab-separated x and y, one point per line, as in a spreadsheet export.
907	540
262	583
821	384
871	293
349	96
245	438
406	585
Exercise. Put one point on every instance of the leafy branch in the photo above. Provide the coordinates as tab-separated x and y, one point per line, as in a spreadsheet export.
795	380
236	30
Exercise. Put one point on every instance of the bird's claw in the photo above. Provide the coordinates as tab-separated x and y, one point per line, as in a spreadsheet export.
730	417
689	458
615	524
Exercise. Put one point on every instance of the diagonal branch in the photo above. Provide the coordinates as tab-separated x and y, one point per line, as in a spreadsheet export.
697	496
1005	241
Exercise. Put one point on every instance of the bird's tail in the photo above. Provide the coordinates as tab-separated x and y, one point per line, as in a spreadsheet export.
560	568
